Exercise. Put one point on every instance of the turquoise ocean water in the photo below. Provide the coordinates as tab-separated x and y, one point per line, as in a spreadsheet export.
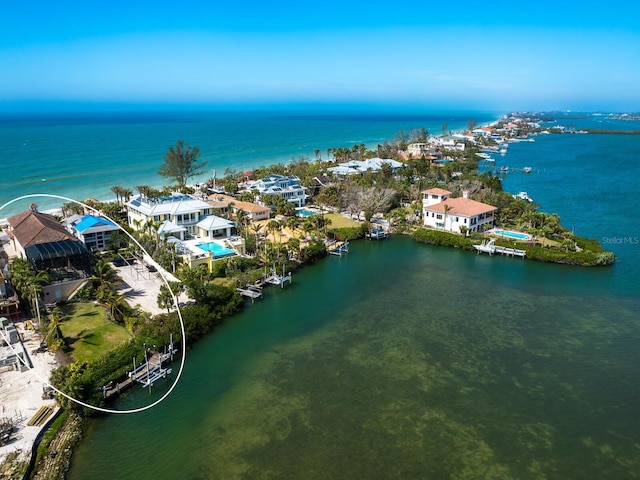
410	361
82	155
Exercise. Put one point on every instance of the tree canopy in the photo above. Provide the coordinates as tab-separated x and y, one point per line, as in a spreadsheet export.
181	162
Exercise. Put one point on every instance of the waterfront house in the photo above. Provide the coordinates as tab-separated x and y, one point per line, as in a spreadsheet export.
47	245
94	232
179	215
254	211
353	167
434	195
452	214
287	187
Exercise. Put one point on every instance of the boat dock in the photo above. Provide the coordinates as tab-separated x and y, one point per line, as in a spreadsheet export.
146	374
250	291
488	247
338	248
274	279
376	234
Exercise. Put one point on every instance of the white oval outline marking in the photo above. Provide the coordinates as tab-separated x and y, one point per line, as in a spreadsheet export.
175	301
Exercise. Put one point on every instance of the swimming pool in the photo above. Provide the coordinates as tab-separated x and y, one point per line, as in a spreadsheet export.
511	234
305	213
215	248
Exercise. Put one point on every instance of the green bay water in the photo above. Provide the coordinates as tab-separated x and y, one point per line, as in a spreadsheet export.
403	360
399	360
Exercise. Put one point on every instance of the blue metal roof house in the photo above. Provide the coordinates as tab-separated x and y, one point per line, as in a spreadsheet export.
93	231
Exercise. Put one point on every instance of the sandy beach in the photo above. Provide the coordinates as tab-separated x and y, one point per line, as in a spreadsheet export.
21	392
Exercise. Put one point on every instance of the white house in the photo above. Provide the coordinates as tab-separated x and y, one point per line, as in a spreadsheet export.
454	213
418	150
434	195
375	164
287	187
181	216
93	231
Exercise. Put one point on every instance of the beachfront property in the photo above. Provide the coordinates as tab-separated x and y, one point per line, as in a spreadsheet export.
94	232
358	167
287	187
181	216
254	211
452	214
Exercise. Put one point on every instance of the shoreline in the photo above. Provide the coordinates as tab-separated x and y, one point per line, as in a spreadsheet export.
58	210
220	154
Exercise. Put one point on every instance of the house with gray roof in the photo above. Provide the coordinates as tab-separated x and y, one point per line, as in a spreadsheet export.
181	216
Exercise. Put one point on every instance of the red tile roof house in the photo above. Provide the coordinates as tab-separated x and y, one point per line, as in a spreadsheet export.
450	214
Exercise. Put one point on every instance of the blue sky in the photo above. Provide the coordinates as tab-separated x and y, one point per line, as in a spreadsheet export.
489	55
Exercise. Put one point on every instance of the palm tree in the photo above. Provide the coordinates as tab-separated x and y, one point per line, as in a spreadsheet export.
114	302
165	298
293	247
272	227
256	230
117	189
55	338
29	283
447	208
104	275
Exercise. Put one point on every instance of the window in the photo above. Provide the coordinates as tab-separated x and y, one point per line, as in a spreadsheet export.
439	217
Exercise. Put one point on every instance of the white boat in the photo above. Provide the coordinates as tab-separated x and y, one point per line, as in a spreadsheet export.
523	196
486	246
490	160
483	155
527	169
504	169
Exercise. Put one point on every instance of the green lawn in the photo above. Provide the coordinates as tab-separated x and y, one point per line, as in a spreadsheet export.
340	221
88	333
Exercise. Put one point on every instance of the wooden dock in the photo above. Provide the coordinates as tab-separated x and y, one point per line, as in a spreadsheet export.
145	374
250	291
491	249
